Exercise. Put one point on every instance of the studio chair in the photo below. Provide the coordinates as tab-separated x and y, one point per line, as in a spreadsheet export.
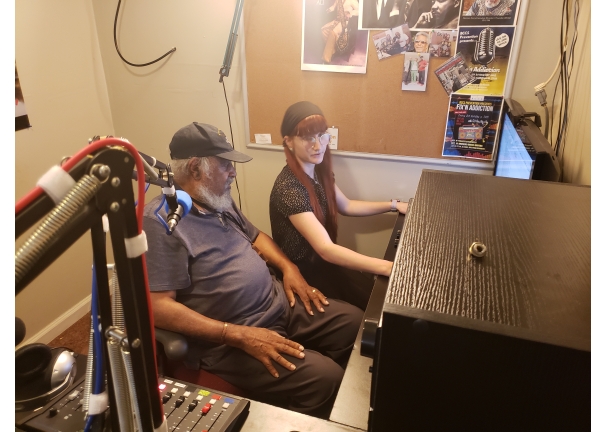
172	349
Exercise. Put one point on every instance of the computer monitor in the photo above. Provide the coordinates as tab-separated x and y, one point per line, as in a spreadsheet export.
522	149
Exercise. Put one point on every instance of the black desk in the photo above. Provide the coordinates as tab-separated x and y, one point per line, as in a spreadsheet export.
499	342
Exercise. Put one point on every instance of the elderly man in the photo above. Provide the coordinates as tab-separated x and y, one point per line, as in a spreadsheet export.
209	281
491	8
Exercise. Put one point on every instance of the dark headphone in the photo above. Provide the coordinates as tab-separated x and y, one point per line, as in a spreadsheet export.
41	373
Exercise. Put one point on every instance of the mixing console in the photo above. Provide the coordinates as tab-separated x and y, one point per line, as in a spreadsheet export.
187	407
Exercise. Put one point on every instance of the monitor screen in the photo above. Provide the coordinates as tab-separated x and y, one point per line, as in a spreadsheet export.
514	159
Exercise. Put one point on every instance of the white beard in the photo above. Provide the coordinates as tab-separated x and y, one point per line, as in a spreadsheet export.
218	202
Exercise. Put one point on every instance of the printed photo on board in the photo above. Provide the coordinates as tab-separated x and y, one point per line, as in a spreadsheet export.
443	14
393	41
443	43
454	74
420	42
331	41
488	12
414	75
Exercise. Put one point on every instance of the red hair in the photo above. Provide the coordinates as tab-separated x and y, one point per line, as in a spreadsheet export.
313	125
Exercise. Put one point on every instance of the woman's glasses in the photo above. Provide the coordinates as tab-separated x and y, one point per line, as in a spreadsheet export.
323	139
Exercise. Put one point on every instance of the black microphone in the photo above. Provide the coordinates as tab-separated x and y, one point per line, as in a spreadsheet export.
152	161
178	206
484	52
19	331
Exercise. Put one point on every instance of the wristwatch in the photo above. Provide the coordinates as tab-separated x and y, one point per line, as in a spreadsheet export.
394	202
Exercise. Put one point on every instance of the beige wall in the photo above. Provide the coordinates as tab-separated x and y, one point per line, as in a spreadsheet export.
63	82
539	54
148	105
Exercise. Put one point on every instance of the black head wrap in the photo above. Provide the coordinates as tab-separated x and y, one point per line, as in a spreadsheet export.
297	112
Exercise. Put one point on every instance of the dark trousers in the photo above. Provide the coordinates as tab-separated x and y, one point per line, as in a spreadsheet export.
337	282
312	387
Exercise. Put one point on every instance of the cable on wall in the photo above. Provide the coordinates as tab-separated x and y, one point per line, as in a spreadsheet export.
232	143
118	49
563	69
224	72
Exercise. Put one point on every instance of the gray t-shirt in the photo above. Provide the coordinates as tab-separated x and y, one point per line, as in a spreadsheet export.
210	262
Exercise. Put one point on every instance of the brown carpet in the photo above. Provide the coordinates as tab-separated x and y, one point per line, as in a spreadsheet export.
76	337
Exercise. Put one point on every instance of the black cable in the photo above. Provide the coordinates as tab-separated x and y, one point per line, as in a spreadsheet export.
118	50
232	142
570	67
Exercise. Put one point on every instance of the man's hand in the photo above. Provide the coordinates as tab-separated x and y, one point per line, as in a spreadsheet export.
264	345
294	282
424	18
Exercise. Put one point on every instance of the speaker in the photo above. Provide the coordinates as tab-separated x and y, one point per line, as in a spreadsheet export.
41	373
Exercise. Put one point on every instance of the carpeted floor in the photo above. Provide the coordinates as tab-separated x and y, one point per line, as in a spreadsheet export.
76	337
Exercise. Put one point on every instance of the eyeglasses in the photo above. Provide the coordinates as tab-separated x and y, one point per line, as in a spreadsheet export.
323	139
421	42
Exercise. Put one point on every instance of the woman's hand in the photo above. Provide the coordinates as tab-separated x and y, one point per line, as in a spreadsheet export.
264	345
295	283
402	207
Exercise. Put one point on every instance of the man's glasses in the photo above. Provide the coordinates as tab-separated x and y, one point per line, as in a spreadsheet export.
323	139
421	42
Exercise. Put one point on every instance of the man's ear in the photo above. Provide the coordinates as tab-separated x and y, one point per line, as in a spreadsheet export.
193	167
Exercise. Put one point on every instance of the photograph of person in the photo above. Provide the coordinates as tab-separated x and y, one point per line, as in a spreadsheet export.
420	42
384	14
415	71
331	39
483	12
444	14
443	43
303	207
393	41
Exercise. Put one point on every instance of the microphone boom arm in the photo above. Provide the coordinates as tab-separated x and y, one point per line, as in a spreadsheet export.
231	42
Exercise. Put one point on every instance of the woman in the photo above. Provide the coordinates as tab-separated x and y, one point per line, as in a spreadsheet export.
303	210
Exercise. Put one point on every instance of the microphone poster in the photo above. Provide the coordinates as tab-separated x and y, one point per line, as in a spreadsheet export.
471	126
486	51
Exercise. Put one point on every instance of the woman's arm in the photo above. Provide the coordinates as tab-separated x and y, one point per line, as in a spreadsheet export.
293	281
315	233
349	207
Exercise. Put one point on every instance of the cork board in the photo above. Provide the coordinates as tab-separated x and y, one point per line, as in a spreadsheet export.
371	111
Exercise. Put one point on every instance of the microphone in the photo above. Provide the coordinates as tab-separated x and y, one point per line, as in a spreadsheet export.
484	52
177	206
152	161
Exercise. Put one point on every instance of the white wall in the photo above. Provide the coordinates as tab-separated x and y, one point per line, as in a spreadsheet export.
63	83
539	54
73	95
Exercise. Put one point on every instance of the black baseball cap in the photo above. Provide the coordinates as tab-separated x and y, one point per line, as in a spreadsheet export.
202	140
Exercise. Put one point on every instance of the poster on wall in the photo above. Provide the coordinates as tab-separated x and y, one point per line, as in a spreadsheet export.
471	126
428	14
486	51
489	12
21	118
331	40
